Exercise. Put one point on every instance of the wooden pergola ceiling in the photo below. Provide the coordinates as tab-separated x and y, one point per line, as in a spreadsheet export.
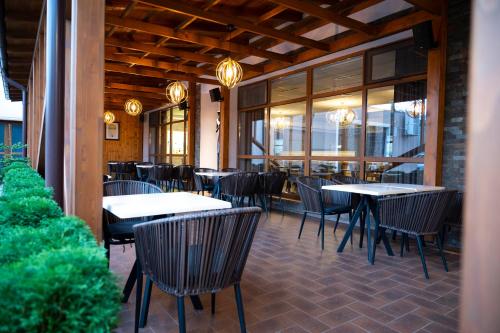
149	42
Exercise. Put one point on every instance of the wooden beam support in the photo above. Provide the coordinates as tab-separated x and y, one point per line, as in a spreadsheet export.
192	37
191	122
153	73
431	6
111	91
202	58
86	112
132	87
326	14
180	7
157	64
224	128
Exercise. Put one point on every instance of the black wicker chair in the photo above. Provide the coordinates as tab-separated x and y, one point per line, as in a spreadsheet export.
230	170
227	187
271	184
118	231
202	183
318	201
246	187
419	214
190	263
453	219
142	173
183	176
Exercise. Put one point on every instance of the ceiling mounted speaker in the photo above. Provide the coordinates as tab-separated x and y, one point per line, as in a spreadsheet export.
215	95
423	36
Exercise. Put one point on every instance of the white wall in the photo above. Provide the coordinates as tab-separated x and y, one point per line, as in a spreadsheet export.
208	136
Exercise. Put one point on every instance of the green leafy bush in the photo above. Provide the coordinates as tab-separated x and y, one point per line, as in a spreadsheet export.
28	211
13	164
21	242
16	179
19	193
64	290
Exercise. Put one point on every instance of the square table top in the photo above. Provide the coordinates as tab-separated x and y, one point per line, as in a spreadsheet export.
140	205
381	189
215	173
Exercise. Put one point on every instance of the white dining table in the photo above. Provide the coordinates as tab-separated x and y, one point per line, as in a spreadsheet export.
369	194
141	205
215	173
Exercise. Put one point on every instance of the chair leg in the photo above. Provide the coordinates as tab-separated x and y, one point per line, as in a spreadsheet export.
322	231
361	229
422	256
441	253
239	304
407	243
403	240
107	248
212	301
145	303
282	206
138	296
181	314
302	223
337	223
394	234
129	285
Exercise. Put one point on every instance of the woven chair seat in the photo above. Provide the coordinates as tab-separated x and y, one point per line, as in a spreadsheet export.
122	230
336	209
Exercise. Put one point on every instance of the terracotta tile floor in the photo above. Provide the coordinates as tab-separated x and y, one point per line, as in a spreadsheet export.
290	285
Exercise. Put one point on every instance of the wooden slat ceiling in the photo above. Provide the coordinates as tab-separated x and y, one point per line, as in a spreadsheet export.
171	39
21	24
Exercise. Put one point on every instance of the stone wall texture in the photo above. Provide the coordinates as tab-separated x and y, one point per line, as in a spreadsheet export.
456	93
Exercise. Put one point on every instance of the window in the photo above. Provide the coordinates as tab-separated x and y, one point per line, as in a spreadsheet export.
168	136
252	95
253	165
287	129
252	132
293	169
289	87
338	75
326	169
393	172
336	125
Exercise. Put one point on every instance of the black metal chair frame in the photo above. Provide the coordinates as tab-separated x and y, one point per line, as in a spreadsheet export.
176	256
203	183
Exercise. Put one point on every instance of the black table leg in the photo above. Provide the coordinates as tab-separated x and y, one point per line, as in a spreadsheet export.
352	224
195	299
129	285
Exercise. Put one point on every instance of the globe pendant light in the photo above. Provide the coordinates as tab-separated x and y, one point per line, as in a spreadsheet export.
176	92
109	117
133	107
416	110
229	72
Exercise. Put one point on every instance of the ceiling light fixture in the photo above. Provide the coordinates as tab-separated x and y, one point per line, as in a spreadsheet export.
109	117
176	92
133	107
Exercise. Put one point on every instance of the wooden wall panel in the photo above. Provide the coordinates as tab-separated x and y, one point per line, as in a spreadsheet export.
129	147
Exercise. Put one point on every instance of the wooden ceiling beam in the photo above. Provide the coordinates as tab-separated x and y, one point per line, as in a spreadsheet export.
124	69
430	6
113	91
326	14
202	58
157	64
133	87
196	38
180	7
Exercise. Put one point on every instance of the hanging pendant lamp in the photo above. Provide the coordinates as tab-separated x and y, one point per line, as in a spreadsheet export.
109	117
133	107
229	72
176	92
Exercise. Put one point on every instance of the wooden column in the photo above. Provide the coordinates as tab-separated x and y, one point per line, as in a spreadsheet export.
86	111
480	299
191	121
224	128
436	76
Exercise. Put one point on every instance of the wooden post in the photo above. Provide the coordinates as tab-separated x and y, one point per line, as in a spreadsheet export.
436	75
480	299
86	109
224	128
191	121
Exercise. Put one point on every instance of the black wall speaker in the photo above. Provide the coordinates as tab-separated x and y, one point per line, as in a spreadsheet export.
183	105
215	95
422	36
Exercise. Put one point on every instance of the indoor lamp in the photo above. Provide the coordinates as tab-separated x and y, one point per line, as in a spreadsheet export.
344	117
416	110
176	92
229	72
133	107
109	117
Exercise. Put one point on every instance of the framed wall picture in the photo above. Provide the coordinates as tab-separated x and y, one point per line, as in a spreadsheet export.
112	131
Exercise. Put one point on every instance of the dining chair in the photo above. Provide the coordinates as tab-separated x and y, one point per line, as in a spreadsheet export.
118	231
453	219
246	187
203	183
142	173
230	170
227	187
419	215
271	184
176	256
317	201
184	177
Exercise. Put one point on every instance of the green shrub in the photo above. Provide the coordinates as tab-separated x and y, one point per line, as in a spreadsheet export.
21	242
18	193
16	179
64	290
13	164
28	211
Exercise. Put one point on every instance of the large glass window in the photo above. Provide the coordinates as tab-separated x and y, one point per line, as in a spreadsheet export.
326	169
293	169
287	129
396	120
336	125
252	95
168	136
288	87
253	165
392	172
252	132
339	75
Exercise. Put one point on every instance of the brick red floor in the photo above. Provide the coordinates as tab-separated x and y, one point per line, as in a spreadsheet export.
290	285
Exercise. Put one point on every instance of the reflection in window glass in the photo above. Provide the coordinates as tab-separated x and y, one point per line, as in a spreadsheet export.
293	169
339	75
253	165
336	125
288	87
252	132
391	172
178	160
384	65
287	129
178	138
396	120
252	95
326	169
178	114
401	61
